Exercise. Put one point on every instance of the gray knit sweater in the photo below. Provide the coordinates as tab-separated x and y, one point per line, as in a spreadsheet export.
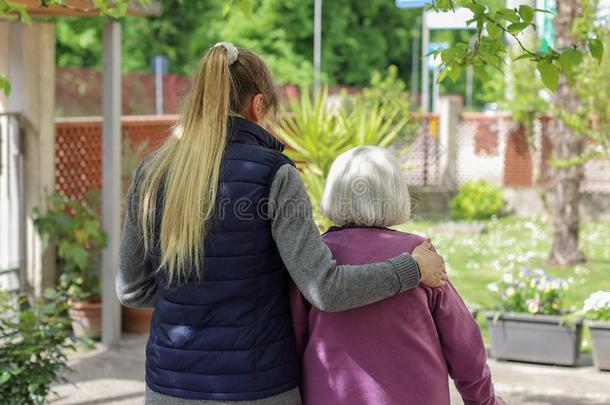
323	283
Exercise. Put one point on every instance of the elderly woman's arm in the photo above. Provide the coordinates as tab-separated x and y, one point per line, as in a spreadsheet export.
462	347
309	261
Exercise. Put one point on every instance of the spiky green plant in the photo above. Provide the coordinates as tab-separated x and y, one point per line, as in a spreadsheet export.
317	131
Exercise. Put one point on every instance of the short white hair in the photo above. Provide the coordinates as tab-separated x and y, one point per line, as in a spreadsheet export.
366	186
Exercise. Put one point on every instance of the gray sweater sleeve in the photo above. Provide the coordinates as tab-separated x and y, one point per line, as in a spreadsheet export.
135	280
309	261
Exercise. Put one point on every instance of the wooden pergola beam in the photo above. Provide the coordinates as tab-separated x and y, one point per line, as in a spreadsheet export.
83	8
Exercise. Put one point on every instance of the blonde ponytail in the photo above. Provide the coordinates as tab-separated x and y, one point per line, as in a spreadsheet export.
187	167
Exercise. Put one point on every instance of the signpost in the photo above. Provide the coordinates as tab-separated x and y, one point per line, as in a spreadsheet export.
434	63
452	20
159	65
317	44
415	45
547	31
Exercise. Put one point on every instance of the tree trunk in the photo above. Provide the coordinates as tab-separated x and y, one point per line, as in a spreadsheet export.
565	182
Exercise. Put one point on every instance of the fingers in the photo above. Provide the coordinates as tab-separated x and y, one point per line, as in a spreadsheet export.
426	244
440	284
440	280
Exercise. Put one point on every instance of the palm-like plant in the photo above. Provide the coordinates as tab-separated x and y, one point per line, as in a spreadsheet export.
317	133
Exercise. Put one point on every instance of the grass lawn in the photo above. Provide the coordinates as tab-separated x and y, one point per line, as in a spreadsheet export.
477	257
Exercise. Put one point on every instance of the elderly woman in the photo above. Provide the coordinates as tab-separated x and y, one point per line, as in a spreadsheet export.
399	350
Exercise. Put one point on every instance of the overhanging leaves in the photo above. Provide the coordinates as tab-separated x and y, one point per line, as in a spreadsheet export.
526	13
596	46
549	74
568	60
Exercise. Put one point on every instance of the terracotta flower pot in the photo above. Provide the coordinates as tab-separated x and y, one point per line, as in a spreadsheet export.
86	318
136	320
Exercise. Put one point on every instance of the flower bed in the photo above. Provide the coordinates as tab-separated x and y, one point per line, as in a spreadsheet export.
528	323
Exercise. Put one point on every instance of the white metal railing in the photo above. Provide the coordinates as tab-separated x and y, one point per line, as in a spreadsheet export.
11	202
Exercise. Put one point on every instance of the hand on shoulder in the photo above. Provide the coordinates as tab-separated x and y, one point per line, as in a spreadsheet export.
431	265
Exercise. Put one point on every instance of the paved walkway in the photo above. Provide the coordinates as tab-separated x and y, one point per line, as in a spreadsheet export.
116	376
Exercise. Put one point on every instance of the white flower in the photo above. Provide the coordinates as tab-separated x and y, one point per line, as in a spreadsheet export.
493	287
597	301
507	278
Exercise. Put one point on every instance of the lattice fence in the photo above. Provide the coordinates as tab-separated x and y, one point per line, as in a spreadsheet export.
420	152
78	149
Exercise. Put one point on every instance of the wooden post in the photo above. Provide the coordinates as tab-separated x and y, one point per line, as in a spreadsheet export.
425	72
111	180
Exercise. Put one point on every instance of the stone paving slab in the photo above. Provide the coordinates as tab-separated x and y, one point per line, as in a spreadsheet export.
116	376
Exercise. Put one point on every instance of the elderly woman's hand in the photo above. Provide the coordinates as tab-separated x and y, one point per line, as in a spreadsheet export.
431	265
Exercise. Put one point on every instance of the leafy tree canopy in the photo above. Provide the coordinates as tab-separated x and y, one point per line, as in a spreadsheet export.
359	37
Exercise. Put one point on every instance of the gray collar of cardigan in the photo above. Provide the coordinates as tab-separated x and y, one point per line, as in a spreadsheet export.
245	131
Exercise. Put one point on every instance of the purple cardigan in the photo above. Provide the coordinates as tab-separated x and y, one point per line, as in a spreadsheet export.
397	351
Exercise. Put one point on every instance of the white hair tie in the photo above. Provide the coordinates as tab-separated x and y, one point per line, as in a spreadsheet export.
231	51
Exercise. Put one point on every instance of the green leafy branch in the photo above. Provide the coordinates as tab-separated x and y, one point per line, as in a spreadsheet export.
490	49
7	7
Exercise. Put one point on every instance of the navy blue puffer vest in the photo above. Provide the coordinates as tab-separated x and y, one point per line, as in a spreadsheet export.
229	336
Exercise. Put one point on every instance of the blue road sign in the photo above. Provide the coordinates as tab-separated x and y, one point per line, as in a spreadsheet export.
159	62
411	3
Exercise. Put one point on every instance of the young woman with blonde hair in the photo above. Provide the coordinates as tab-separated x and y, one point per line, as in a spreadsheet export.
217	222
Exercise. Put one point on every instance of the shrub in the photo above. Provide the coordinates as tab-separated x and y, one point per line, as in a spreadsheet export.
529	291
33	344
477	200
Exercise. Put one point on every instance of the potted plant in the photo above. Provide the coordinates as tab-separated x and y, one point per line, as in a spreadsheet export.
75	230
597	310
529	323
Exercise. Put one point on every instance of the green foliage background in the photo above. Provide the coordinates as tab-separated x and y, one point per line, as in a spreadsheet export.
359	37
